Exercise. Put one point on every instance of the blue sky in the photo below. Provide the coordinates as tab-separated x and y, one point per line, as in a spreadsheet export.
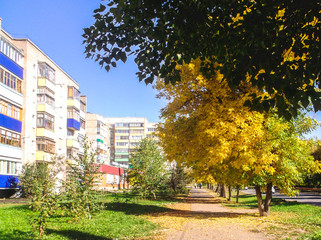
56	28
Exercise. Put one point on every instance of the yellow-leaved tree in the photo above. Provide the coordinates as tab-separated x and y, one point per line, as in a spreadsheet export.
207	127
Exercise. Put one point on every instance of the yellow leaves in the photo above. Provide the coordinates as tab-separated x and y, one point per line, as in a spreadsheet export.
280	13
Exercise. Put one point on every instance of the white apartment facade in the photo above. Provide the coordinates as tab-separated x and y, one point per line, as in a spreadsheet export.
98	133
42	113
126	133
11	109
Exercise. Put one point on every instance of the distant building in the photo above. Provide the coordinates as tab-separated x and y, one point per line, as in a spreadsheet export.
125	135
98	133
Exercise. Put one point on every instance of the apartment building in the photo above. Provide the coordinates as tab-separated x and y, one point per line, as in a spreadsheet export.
54	112
42	113
98	133
11	106
125	135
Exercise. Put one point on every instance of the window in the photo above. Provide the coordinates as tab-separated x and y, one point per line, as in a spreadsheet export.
71	152
121	131
11	81
44	98
122	137
10	51
121	150
151	129
45	145
73	93
81	139
82	123
10	138
10	110
122	144
46	72
134	144
122	124
8	167
136	137
70	132
137	131
82	106
45	120
73	113
136	124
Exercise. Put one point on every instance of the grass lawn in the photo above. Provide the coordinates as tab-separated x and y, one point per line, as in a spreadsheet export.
119	220
291	215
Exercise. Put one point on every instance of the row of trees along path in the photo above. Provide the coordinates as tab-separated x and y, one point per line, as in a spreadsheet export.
208	219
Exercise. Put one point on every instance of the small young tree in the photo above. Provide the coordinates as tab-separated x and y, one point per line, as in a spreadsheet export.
178	178
148	173
82	174
39	181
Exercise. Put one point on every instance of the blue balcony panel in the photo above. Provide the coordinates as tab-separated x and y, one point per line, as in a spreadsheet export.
11	65
8	181
72	123
10	123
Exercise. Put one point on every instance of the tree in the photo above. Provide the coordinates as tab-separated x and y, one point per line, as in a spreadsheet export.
207	127
82	174
40	180
274	44
315	179
289	160
178	178
149	172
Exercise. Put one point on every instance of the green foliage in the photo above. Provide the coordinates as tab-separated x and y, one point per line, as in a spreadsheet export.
178	179
274	44
122	222
290	159
38	180
149	172
82	174
315	179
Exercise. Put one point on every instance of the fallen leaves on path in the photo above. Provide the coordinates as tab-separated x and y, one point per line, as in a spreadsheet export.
210	213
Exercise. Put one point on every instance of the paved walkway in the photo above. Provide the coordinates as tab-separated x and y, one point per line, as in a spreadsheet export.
208	219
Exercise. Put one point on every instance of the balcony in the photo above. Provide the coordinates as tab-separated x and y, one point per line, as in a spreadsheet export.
43	156
44	82
44	107
73	124
44	132
10	93
75	103
11	65
8	181
10	123
11	151
71	143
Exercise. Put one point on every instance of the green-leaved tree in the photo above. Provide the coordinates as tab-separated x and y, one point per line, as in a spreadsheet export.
149	172
274	44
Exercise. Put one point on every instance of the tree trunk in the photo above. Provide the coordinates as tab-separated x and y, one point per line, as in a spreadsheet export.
229	193
154	195
223	192
237	193
217	190
260	201
268	198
